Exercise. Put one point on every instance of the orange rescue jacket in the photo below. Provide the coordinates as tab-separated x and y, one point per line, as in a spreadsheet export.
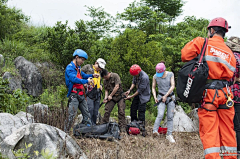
219	57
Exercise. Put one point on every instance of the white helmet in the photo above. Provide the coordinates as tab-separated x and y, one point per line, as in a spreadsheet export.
101	63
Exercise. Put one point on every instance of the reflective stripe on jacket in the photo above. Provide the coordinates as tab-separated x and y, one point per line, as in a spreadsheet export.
220	58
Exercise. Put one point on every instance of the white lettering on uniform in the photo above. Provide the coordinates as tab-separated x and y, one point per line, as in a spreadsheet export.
188	87
219	53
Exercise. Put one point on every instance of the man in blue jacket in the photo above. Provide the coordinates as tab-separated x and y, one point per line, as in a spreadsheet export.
75	80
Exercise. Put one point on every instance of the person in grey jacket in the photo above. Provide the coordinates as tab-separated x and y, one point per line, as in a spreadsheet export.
141	96
93	100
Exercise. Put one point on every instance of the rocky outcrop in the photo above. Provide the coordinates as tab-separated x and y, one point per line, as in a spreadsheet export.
2	61
14	82
194	116
43	138
37	107
31	77
181	122
10	123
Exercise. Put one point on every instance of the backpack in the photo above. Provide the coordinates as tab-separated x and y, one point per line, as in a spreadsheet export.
109	131
192	78
92	93
135	127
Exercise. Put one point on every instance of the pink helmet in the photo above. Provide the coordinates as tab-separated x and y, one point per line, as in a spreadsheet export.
160	68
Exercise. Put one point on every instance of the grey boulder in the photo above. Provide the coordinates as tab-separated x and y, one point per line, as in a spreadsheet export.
181	122
31	77
14	82
43	138
2	61
8	124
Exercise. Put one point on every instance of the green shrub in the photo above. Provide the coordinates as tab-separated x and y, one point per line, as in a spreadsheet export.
20	153
12	101
54	96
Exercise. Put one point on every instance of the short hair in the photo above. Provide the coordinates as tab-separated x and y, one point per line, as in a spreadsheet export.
104	73
74	57
162	62
219	30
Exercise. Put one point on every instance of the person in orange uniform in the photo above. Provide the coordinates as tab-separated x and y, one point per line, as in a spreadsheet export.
216	112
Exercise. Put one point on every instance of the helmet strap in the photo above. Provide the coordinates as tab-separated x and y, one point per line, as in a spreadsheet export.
212	34
76	60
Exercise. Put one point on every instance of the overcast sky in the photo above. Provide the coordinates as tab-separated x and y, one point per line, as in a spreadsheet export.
48	12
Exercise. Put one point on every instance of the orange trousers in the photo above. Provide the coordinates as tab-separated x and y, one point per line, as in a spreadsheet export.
216	128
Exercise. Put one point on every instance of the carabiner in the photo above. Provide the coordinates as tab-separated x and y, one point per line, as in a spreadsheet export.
229	102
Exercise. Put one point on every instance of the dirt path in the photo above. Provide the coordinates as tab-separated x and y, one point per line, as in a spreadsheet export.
187	146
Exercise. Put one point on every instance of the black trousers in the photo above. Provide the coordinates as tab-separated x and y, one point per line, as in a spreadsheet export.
138	110
236	122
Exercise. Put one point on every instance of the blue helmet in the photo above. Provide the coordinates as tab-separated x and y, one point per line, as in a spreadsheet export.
80	53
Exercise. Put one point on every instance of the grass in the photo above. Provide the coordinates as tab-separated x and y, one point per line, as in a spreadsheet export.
114	114
188	145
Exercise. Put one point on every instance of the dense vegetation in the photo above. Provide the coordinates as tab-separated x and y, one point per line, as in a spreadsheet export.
144	34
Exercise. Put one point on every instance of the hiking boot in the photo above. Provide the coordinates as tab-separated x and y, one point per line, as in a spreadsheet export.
170	138
155	134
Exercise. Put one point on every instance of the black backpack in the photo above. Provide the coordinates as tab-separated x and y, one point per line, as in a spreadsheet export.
93	93
192	78
107	131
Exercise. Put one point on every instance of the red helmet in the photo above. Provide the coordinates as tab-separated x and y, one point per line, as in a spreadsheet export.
135	70
219	22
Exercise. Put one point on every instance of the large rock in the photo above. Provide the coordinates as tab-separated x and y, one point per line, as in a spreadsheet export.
2	61
194	116
8	124
181	122
31	77
42	137
14	82
44	65
25	118
37	107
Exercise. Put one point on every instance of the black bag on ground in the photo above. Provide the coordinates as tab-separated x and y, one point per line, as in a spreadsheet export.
107	131
192	78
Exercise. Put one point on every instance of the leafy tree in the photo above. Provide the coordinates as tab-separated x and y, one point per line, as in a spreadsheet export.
11	20
86	37
140	17
57	37
177	36
151	15
101	49
101	23
132	48
62	41
172	8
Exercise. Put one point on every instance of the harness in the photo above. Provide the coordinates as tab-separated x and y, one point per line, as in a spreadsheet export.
170	95
75	95
115	95
217	85
76	91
